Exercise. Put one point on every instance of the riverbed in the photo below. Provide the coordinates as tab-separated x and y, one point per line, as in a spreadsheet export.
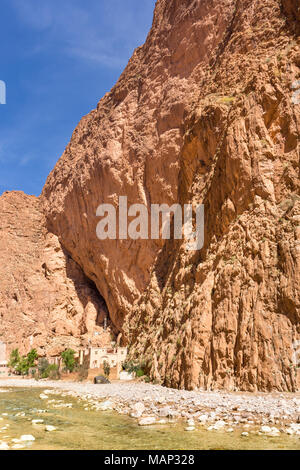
77	423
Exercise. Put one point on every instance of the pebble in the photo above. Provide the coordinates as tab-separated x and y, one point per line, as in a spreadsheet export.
165	412
203	419
4	446
138	410
27	438
219	425
106	405
147	421
50	428
265	429
191	423
43	396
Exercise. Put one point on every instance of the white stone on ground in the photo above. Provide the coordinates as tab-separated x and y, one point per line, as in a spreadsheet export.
43	396
4	446
50	428
27	438
137	410
147	421
203	419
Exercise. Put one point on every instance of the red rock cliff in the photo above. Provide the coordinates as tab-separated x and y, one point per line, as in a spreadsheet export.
205	112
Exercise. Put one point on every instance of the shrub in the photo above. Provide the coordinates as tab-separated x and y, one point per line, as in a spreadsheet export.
43	365
140	373
46	370
53	372
134	367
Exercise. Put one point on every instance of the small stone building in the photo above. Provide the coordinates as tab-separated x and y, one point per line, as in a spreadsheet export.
114	356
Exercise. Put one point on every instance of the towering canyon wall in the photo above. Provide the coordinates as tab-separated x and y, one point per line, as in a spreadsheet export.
205	112
46	302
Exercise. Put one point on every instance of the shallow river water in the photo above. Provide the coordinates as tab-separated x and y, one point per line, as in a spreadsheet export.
81	429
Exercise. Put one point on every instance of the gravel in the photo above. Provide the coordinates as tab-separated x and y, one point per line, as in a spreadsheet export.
211	408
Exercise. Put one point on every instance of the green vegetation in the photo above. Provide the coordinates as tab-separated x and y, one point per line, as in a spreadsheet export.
134	367
43	365
32	357
14	359
68	357
53	371
22	364
22	368
46	370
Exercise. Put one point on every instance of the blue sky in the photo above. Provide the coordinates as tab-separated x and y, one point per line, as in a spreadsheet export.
58	58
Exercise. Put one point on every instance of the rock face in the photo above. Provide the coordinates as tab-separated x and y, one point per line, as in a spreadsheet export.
206	112
46	302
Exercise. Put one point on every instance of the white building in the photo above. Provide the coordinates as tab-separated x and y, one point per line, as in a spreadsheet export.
114	356
3	361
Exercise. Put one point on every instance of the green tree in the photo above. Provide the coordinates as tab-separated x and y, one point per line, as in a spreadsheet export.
32	357
14	359
23	366
69	359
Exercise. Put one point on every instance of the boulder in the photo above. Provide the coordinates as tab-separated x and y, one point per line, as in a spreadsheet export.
101	380
147	421
27	438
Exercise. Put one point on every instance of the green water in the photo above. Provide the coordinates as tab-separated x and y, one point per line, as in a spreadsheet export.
93	430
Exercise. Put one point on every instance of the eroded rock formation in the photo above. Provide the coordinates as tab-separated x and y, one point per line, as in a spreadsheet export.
205	112
46	302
